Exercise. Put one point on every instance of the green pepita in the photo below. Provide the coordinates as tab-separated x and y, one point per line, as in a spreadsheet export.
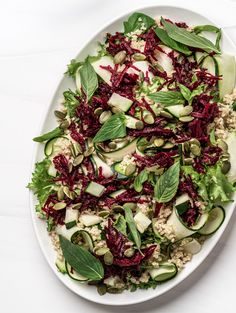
77	148
186	119
222	144
64	125
70	167
193	141
196	150
168	145
76	206
116	110
186	110
78	160
108	258
148	118
104	214
129	252
130	169
117	208
101	289
159	142
119	58
166	114
114	290
226	165
139	57
101	251
139	125
59	114
112	145
60	193
98	111
104	116
188	161
68	193
59	206
89	151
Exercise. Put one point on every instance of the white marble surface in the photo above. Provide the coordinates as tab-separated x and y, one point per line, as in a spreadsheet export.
38	38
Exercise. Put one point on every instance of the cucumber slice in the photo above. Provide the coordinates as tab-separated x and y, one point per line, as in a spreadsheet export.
52	171
175	110
117	193
103	73
163	60
227	69
53	145
182	203
209	64
199	56
231	142
120	169
106	169
181	230
142	222
71	217
67	233
140	66
89	220
95	189
61	265
73	274
165	272
215	220
84	237
131	121
192	246
119	154
120	102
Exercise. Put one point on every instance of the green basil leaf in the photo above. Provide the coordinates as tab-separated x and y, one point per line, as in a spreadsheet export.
52	134
196	92
165	38
212	29
81	260
185	92
167	185
89	79
137	21
120	224
132	227
140	179
190	39
113	128
167	97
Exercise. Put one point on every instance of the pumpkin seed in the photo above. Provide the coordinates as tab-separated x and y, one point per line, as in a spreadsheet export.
68	193
101	251
117	208
119	58
186	110
186	119
78	160
139	57
59	206
89	151
112	145
104	116
70	167
148	118
186	146
130	169
188	161
104	214
116	110
59	114
64	125
166	114
101	289
194	141
225	156
129	252
98	111
60	193
168	145
114	290
139	125
77	147
226	165
159	142
108	258
196	150
222	144
76	206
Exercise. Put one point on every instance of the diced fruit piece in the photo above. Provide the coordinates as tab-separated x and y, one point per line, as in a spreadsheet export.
105	74
89	220
142	222
120	102
95	189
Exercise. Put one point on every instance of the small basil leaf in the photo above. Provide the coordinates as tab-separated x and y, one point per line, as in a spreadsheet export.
139	180
120	224
187	38
167	97
89	80
137	21
167	185
81	260
52	134
165	38
185	92
132	227
113	128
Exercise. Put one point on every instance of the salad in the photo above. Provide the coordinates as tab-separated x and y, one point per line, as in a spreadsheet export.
137	172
